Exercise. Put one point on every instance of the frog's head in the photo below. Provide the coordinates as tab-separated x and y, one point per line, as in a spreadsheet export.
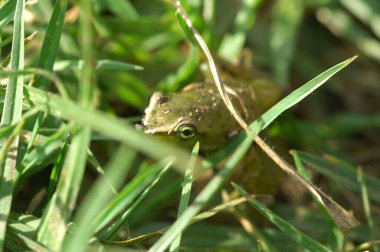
196	114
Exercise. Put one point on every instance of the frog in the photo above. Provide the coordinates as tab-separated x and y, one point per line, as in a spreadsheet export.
197	113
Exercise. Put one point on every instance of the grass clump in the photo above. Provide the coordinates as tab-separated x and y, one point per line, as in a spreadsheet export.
77	175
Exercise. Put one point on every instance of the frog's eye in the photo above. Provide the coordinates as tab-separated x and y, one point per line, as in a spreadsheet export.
186	131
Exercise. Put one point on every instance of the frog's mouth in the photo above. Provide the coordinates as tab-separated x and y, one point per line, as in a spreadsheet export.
158	130
166	129
152	131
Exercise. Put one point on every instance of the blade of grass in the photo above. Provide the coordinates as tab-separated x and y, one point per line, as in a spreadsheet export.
287	18
43	8
57	168
23	243
12	112
54	223
174	82
335	232
25	224
4	42
293	233
185	195
48	55
34	71
50	44
7	13
124	218
340	172
41	153
123	9
6	131
209	213
96	198
7	145
104	64
367	11
232	44
199	217
12	107
340	23
365	247
126	196
367	207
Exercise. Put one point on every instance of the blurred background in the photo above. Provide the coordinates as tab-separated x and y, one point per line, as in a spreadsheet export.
291	40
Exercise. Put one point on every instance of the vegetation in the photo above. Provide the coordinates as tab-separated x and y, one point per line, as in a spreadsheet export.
77	175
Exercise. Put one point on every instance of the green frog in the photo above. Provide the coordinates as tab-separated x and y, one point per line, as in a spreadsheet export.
197	113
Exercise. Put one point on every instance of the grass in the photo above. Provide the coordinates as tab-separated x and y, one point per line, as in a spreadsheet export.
77	175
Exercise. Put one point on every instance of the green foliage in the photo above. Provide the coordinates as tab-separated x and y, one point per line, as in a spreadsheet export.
76	174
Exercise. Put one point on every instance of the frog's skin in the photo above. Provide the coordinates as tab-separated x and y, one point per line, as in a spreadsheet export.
197	113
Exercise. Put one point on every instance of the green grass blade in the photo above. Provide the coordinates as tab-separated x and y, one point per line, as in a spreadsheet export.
293	233
174	81
125	197
104	64
123	9
13	97
50	44
116	65
298	163
57	168
232	44
297	95
341	172
366	11
124	218
21	242
7	13
185	195
48	55
12	112
24	224
53	224
287	18
96	198
42	153
5	42
9	142
6	131
336	233
367	207
343	25
209	213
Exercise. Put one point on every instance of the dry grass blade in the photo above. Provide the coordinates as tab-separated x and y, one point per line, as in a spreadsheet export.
343	219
